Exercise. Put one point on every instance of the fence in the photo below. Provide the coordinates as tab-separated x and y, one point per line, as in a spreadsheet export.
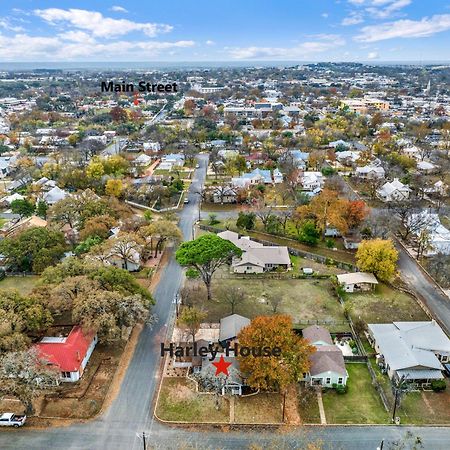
294	251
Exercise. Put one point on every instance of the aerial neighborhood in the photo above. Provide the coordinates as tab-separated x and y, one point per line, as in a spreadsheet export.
273	241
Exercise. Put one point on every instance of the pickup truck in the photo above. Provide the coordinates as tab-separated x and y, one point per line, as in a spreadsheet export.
12	420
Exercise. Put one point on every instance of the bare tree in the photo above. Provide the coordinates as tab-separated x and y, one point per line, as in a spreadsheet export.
233	295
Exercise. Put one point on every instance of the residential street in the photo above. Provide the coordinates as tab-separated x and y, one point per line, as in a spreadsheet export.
417	281
122	425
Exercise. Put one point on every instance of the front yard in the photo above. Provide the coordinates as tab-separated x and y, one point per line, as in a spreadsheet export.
259	408
23	284
383	305
306	301
361	403
178	402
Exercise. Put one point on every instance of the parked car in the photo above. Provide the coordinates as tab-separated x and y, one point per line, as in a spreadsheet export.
186	201
12	420
197	166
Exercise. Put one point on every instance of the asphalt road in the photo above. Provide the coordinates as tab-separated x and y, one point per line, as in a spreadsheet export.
426	289
121	427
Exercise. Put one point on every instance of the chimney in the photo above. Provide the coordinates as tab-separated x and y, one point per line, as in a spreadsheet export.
78	356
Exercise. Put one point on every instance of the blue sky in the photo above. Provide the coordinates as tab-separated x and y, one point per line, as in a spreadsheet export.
227	30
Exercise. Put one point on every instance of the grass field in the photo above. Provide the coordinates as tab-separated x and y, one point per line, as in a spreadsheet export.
23	284
178	402
385	304
260	408
308	406
361	403
303	300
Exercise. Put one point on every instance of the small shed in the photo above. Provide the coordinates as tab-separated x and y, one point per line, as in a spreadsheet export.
359	281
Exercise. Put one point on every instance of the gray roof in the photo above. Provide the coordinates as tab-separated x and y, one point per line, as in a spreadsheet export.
327	358
357	277
410	345
230	326
316	333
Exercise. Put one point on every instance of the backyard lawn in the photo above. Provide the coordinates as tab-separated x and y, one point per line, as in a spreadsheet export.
304	300
23	284
178	402
361	403
259	408
384	305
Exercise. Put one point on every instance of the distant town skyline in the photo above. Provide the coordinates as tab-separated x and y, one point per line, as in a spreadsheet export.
251	30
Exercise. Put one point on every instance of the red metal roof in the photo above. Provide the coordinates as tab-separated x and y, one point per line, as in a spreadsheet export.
67	355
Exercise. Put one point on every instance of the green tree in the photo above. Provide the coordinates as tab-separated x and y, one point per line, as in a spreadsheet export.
41	209
22	207
34	249
206	254
308	233
246	220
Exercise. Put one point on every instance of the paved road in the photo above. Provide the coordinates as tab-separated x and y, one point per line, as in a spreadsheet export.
130	413
426	289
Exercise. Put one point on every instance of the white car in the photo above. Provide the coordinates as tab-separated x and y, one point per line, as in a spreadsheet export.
12	420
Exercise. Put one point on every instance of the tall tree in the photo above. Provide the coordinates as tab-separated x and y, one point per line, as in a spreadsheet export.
190	318
206	254
379	257
274	372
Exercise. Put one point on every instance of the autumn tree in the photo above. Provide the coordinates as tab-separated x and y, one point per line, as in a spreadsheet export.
114	187
190	318
206	254
126	247
379	257
274	372
159	232
98	226
355	212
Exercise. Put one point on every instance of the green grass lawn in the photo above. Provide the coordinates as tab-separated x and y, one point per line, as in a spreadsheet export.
23	284
384	305
308	405
259	408
361	403
426	407
179	402
304	300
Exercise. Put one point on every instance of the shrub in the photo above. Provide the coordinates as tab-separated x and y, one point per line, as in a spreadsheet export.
213	219
438	385
330	243
341	389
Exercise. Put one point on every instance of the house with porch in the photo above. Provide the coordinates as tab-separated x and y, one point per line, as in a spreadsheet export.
414	351
327	362
357	281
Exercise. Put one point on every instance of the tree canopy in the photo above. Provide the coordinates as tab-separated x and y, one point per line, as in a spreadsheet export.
379	257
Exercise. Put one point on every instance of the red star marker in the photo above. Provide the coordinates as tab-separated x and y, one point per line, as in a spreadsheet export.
136	101
222	366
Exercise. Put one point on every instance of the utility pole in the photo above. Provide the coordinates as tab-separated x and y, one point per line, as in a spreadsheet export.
143	440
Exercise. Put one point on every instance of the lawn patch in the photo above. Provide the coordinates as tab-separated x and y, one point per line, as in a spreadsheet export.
308	405
259	408
178	402
361	403
385	304
23	284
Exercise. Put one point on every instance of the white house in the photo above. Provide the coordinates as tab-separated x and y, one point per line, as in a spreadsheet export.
54	195
412	350
393	191
438	236
370	172
143	160
70	354
312	181
327	362
357	281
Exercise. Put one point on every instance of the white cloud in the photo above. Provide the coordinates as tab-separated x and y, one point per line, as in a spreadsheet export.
373	55
379	9
119	9
71	46
405	28
7	25
353	19
209	42
325	15
97	24
322	43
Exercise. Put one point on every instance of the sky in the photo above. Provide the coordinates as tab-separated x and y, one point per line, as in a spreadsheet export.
224	30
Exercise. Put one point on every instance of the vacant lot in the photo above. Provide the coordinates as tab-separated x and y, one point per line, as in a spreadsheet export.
260	408
385	304
361	403
23	284
298	263
178	402
304	300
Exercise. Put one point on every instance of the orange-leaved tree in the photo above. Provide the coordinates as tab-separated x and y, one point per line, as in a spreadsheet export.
274	372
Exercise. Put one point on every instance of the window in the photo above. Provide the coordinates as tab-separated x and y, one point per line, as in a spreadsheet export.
65	374
328	380
340	380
